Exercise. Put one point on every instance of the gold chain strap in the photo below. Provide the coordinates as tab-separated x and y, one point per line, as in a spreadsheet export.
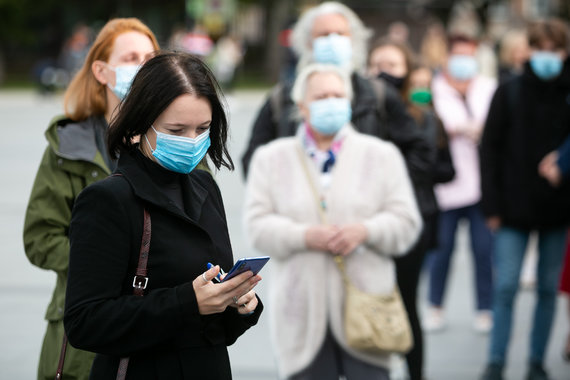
337	258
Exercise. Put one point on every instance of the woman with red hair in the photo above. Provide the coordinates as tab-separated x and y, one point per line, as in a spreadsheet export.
77	156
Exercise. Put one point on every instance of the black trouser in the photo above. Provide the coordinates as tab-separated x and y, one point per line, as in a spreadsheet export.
408	269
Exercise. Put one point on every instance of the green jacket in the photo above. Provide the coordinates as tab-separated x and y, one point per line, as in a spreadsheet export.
71	161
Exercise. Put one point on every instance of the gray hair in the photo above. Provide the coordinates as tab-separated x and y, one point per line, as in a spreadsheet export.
300	86
301	40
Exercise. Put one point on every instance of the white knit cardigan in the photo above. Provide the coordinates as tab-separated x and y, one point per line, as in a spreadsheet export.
369	185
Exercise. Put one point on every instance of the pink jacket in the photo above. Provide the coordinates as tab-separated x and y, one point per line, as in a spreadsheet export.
463	121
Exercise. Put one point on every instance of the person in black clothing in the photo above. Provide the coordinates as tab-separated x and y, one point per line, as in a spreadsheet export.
181	326
332	33
394	62
529	118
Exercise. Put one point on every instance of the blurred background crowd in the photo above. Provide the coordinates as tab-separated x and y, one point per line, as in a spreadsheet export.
246	41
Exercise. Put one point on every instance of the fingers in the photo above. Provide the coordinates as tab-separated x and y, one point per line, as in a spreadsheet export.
250	305
243	289
206	277
246	303
340	244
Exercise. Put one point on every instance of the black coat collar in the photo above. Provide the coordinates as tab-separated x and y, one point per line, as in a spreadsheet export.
143	176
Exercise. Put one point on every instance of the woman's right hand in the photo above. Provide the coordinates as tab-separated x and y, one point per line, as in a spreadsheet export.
215	298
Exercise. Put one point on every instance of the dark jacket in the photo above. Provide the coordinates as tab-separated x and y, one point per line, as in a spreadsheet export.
162	332
528	119
442	169
564	159
384	118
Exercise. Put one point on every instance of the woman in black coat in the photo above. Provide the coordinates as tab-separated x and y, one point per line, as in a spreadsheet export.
181	326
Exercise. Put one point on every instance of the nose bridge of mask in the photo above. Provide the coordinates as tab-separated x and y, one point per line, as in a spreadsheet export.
180	145
182	139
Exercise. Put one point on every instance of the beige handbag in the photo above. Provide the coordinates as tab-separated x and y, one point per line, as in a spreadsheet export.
373	323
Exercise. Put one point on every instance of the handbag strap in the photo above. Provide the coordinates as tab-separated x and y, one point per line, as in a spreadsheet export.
321	209
59	372
140	281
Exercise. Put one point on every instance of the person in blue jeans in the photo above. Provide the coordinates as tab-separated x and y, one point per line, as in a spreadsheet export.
529	119
461	97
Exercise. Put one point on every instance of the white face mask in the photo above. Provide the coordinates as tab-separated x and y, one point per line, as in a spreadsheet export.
124	76
332	49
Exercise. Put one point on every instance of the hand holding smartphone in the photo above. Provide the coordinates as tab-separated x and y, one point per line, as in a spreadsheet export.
253	264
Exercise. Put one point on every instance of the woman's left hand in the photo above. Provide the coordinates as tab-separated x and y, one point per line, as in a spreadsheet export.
246	304
347	239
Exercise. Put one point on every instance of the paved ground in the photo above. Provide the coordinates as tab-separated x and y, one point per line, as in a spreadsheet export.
455	354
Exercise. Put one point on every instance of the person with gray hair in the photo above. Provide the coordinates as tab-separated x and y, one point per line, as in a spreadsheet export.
301	210
332	33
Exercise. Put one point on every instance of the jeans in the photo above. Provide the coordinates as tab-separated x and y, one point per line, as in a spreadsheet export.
510	246
481	245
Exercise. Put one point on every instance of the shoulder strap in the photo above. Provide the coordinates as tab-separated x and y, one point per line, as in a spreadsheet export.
338	258
140	281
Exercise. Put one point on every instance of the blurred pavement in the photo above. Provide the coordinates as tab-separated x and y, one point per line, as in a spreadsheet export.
458	353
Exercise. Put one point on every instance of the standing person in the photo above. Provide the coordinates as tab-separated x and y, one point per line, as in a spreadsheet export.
513	54
331	33
181	326
324	166
76	157
461	98
393	61
529	118
555	167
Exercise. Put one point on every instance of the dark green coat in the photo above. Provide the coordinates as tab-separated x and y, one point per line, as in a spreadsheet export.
71	161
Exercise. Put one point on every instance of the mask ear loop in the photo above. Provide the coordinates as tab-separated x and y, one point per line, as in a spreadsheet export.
148	142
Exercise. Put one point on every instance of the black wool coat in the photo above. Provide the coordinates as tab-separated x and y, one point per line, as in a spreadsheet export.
528	119
163	333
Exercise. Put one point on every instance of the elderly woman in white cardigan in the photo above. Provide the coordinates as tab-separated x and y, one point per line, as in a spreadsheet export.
362	185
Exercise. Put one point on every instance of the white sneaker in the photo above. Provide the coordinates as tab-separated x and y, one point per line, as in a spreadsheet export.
483	322
434	320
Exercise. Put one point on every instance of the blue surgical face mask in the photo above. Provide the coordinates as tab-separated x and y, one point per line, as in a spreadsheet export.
546	64
124	76
462	67
332	49
329	115
180	154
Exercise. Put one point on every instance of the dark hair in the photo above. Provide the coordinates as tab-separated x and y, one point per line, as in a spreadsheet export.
158	83
406	51
554	30
402	46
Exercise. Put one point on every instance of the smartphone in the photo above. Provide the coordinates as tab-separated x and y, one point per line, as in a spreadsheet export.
253	264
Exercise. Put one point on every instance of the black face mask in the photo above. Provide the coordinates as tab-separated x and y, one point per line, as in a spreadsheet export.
397	82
